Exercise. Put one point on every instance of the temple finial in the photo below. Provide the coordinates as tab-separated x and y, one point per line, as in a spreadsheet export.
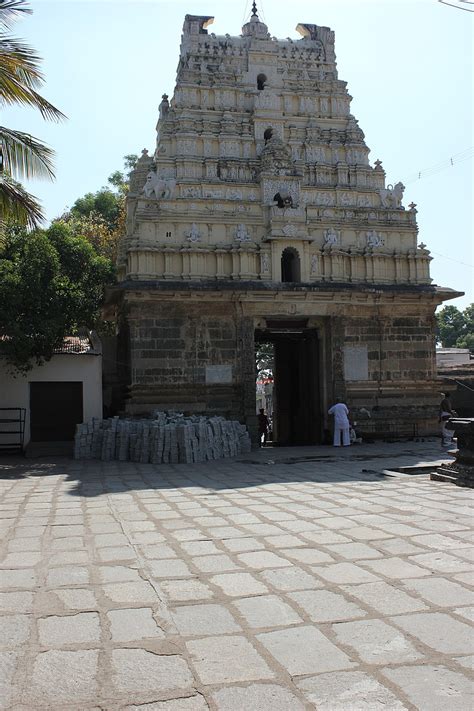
254	27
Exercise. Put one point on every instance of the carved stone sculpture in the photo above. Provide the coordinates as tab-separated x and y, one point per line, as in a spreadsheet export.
160	188
194	235
283	199
241	233
290	230
276	157
164	106
332	237
374	239
391	196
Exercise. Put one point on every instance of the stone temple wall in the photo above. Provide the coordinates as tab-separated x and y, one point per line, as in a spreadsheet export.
192	357
194	352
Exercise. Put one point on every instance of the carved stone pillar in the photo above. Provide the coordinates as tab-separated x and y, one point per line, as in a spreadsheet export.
337	347
411	269
195	266
220	253
246	272
398	268
235	264
186	265
168	273
369	267
246	345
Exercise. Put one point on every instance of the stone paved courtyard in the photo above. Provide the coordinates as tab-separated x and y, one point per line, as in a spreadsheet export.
246	584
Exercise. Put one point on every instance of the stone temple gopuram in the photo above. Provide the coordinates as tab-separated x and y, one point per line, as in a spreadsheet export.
259	218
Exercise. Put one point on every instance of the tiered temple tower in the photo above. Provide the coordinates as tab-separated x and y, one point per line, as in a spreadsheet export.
259	217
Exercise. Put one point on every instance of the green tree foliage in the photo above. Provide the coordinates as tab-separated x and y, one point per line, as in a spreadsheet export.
466	340
120	179
100	216
51	284
21	155
104	203
264	359
455	327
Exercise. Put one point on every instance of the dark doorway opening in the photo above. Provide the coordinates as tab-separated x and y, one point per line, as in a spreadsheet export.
290	265
265	365
55	410
296	415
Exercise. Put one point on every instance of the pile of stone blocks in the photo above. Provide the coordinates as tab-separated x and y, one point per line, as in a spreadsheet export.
167	437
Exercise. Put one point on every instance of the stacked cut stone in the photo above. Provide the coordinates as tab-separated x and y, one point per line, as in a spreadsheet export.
165	438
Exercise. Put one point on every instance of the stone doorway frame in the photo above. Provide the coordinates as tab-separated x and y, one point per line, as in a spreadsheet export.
299	419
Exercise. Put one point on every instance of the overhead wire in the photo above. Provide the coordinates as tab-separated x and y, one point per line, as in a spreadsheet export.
460	157
459	7
245	12
445	256
262	11
464	155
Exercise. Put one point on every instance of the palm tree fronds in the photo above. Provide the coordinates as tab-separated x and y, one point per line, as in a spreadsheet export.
21	155
13	92
20	77
17	57
10	10
17	205
24	156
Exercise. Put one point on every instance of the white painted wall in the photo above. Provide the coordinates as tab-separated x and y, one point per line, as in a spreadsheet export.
77	367
452	356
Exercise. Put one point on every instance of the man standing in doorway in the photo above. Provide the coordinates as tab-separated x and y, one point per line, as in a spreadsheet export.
341	424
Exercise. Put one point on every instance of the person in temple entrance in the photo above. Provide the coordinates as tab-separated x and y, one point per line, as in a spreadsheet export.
445	413
262	428
341	424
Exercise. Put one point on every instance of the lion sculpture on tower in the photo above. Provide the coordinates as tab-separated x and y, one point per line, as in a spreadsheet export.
159	187
391	196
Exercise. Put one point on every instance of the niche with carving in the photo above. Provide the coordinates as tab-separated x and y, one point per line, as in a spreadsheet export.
283	199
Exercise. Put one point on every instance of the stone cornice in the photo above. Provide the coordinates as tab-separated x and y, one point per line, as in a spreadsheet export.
249	290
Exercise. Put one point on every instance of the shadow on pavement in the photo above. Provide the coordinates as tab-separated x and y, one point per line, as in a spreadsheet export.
364	463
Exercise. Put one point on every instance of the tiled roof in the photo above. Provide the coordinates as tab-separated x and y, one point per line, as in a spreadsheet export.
74	344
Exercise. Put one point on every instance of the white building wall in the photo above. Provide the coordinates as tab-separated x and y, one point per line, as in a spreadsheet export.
70	367
452	356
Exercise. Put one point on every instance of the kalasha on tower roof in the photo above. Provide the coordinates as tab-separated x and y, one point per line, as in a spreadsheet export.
255	28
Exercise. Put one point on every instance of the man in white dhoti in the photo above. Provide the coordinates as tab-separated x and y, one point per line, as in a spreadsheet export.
341	424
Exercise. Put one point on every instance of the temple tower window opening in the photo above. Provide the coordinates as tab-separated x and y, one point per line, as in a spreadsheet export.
290	265
261	82
268	134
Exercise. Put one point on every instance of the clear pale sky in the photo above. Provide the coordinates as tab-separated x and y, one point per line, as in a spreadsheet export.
408	64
